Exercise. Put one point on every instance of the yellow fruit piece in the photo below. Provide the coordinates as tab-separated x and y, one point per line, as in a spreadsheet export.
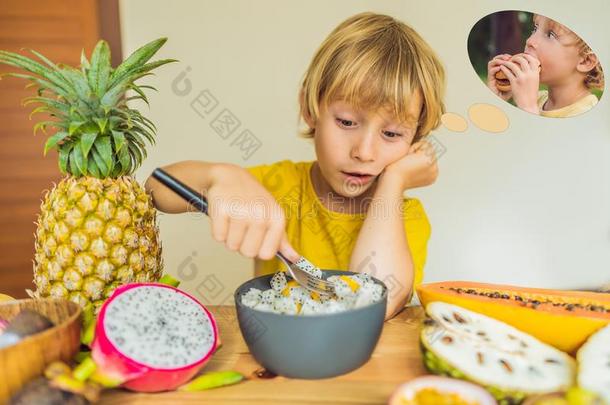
286	290
351	283
580	396
430	396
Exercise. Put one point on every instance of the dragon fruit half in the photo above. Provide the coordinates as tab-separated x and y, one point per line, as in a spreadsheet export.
152	337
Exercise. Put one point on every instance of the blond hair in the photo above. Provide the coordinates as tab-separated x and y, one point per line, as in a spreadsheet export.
594	79
373	61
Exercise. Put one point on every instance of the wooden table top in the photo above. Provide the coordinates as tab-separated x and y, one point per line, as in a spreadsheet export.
396	359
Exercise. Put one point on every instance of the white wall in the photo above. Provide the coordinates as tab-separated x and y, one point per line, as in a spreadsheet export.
529	206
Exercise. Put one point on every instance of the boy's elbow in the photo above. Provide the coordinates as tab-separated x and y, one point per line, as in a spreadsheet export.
149	185
391	312
396	305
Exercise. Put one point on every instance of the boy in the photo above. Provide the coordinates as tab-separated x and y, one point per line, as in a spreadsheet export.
371	93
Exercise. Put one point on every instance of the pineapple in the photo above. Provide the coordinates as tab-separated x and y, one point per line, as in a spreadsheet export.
97	227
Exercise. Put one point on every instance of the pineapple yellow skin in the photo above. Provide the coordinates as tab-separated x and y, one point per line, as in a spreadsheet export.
94	235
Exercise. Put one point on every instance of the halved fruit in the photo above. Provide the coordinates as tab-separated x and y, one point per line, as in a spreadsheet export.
510	364
564	319
440	390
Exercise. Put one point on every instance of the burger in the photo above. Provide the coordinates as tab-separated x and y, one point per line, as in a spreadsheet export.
502	82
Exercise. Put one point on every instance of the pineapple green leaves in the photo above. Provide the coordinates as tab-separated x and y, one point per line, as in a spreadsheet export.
97	134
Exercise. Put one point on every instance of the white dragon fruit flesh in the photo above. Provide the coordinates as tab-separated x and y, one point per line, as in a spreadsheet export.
345	286
278	281
594	364
509	363
153	337
311	307
252	297
285	305
288	297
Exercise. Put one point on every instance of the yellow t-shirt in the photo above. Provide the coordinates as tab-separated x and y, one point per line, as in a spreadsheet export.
577	108
325	237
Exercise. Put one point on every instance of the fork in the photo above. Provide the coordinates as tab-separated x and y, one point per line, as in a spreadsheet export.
300	270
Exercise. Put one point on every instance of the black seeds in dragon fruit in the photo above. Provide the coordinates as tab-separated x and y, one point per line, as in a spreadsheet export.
166	330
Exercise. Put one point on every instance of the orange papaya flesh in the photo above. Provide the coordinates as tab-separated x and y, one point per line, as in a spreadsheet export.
561	318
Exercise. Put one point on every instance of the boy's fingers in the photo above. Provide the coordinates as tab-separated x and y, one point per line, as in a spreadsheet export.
415	147
271	243
220	227
237	231
429	151
495	63
503	56
524	63
494	69
287	249
533	61
513	67
425	146
252	240
509	74
521	62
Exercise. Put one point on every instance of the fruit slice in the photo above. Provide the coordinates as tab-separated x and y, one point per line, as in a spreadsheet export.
440	390
211	380
507	362
152	337
594	364
564	319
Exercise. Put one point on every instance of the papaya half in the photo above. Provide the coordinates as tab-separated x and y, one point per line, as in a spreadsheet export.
561	318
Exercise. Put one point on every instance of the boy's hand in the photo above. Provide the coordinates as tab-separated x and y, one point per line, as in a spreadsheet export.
523	72
246	217
493	67
416	169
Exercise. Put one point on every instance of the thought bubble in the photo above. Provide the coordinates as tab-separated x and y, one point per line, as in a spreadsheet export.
488	117
454	122
504	45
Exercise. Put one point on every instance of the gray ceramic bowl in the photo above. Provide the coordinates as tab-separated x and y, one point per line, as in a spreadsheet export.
310	346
